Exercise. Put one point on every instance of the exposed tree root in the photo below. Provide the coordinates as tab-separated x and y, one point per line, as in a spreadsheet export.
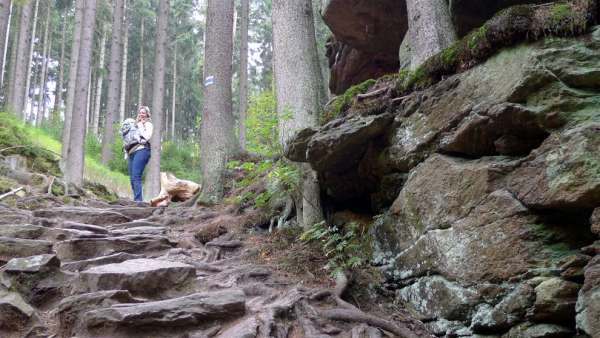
357	316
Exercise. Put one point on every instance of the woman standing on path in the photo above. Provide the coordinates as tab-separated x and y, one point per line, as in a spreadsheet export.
140	154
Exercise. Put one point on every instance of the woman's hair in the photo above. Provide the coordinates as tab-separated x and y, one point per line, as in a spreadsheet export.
146	109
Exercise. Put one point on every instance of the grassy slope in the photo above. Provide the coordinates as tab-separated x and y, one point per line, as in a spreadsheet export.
94	171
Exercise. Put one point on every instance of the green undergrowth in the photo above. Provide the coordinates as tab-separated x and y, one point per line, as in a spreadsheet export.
507	28
18	139
262	183
42	152
346	248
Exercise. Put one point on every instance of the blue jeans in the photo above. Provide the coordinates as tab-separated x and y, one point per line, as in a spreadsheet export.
136	164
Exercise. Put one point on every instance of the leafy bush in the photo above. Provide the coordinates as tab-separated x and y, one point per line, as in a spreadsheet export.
181	159
345	248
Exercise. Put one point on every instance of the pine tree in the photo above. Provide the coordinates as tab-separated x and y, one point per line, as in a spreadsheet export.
297	89
217	139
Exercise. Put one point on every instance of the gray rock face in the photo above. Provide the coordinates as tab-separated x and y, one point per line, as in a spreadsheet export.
435	297
507	313
85	227
72	308
22	231
80	249
189	310
142	277
83	215
33	264
14	311
588	301
529	330
555	301
110	259
141	231
12	248
595	222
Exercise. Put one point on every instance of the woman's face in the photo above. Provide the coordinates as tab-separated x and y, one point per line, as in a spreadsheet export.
142	115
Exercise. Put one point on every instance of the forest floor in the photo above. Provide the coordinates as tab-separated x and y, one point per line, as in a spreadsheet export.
83	267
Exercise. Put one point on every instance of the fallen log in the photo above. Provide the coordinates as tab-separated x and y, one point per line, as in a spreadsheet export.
173	189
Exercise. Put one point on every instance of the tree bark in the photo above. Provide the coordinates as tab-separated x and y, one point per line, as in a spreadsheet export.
158	94
243	91
88	101
17	92
430	28
31	50
58	95
99	84
73	64
124	64
39	112
114	79
141	78
12	63
5	17
297	87
174	92
75	154
217	138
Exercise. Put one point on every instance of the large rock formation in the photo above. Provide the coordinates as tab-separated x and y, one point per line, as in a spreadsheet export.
498	176
367	35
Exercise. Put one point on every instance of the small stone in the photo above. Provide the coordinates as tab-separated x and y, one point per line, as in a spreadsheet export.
144	277
14	311
555	301
40	263
529	330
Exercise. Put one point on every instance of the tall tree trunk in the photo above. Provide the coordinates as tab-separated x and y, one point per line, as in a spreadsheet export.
17	97
75	154
39	113
124	66
174	92
73	64
158	94
217	139
114	79
31	50
5	16
297	88
430	28
45	72
88	102
99	84
12	62
141	78
244	20
58	95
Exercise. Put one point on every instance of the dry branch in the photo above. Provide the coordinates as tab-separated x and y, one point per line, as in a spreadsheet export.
10	193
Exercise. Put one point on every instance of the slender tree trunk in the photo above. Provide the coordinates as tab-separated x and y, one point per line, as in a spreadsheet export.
124	66
12	72
158	93
174	92
244	20
114	79
31	50
58	95
297	88
17	97
88	102
75	155
5	17
73	64
45	72
217	139
96	119
39	113
430	28
141	79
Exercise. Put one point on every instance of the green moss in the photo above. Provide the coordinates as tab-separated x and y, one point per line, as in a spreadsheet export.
7	184
477	37
344	101
560	12
100	191
15	139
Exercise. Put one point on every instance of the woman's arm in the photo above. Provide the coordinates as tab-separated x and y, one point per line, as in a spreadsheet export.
146	130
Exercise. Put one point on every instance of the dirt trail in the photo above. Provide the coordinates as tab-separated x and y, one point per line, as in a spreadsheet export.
109	270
